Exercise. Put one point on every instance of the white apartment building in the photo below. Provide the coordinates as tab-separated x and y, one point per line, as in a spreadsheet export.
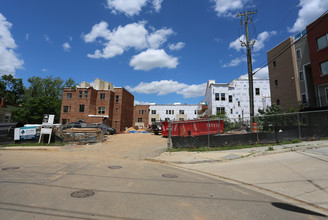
233	98
173	112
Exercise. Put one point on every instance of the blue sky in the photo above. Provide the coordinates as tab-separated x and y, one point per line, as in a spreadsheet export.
162	51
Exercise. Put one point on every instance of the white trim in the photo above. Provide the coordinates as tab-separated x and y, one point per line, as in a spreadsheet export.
98	116
304	76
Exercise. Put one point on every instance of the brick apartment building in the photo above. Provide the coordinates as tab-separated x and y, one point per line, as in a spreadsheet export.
317	35
141	115
298	69
101	103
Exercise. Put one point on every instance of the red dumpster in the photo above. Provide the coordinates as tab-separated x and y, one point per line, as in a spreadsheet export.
193	127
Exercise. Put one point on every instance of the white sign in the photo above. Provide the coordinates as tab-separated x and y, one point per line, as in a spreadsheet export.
25	133
46	130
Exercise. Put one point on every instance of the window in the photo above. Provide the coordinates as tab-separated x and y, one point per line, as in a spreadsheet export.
324	68
153	119
230	98
115	123
222	96
101	110
85	94
274	63
139	119
300	75
117	98
170	112
181	119
181	112
64	121
322	42
238	103
298	54
102	95
278	101
195	112
81	108
276	83
80	94
217	96
141	112
220	110
67	109
69	95
231	111
326	94
257	91
116	110
153	112
167	119
304	98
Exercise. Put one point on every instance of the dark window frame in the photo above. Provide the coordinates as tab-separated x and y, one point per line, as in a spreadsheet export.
81	108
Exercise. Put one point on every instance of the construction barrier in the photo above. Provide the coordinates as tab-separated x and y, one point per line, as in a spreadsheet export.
255	128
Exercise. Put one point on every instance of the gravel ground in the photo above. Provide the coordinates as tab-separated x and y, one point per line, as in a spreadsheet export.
132	146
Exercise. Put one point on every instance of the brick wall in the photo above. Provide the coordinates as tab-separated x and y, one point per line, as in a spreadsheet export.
141	112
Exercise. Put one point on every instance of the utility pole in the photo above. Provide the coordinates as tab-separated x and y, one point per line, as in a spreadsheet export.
248	45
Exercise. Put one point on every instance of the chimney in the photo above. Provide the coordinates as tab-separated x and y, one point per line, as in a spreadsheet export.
3	105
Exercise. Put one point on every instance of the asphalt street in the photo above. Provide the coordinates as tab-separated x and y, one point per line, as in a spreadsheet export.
45	184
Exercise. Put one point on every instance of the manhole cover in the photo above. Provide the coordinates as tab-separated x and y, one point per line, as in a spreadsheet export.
82	194
10	168
115	167
169	176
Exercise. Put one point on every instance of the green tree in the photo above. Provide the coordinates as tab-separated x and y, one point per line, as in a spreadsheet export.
43	96
11	89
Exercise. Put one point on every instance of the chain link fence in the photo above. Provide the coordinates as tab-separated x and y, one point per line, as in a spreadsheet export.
263	129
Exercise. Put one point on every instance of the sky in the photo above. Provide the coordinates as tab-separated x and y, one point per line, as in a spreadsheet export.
162	51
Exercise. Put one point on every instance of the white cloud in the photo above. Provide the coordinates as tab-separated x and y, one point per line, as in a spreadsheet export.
235	62
151	59
261	74
132	7
228	7
259	42
159	37
136	102
66	47
44	70
165	87
157	4
193	91
123	38
309	12
9	60
47	38
27	36
177	46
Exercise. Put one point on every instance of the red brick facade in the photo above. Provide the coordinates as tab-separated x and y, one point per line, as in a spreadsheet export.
123	109
98	106
316	30
141	115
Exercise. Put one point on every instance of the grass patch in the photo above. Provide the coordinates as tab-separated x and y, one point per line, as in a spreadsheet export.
270	148
324	138
33	144
203	149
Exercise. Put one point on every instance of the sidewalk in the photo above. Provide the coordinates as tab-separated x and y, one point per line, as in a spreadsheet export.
295	172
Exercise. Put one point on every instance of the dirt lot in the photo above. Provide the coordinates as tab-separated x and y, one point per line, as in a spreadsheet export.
132	146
